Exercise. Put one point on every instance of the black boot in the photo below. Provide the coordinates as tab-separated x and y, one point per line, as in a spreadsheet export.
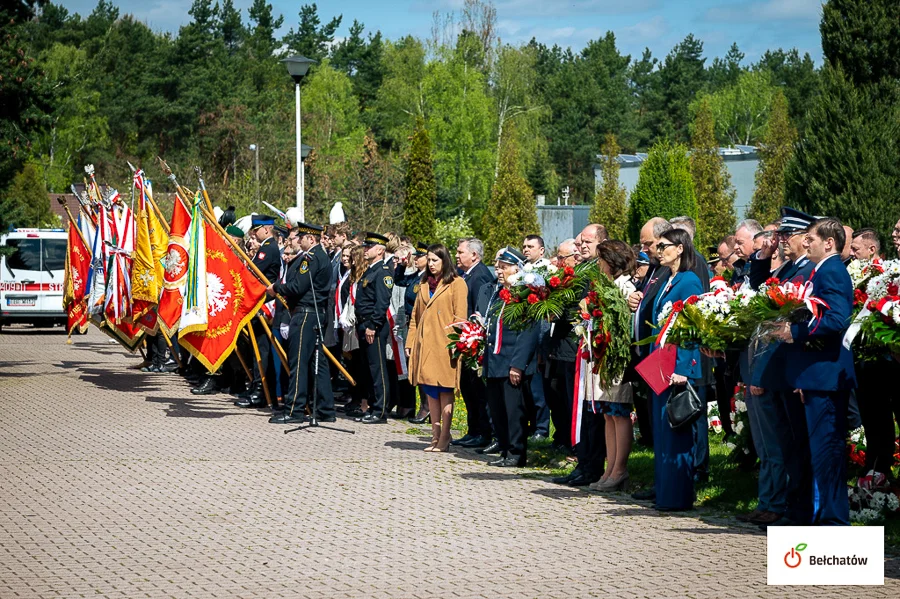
207	387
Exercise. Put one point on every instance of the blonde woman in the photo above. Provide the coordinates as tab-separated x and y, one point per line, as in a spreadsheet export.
442	300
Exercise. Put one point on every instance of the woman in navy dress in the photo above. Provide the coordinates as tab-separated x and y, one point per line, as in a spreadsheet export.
673	449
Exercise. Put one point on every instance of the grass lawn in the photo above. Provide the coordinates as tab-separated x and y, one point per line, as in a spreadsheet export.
730	490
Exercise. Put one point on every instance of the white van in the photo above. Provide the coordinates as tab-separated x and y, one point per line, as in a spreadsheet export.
31	277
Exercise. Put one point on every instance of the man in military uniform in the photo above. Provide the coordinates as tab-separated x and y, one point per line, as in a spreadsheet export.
306	291
268	260
372	301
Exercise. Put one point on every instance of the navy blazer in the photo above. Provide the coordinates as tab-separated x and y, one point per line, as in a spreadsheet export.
766	361
518	348
684	285
475	280
817	359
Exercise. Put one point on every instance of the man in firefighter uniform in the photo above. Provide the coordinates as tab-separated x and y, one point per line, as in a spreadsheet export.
306	291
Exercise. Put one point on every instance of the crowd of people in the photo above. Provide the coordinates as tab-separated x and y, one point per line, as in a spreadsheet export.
382	307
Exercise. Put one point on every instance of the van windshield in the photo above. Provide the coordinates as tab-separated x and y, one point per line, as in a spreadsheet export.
27	255
54	254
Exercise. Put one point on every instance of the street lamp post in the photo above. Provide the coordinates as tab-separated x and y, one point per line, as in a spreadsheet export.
255	149
298	66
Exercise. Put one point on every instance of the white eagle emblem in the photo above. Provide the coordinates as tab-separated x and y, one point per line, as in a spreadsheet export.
174	265
76	281
216	294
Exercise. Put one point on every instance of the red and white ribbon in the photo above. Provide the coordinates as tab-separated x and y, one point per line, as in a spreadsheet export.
397	344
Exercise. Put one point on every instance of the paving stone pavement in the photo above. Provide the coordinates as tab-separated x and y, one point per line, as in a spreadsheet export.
116	483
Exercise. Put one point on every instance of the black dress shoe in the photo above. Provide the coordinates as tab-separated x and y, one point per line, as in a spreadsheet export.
645	495
509	462
581	481
492	449
373	419
564	480
207	387
422	420
326	419
288	419
355	412
462	440
475	442
398	416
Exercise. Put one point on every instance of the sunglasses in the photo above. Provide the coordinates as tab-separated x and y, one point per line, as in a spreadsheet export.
661	247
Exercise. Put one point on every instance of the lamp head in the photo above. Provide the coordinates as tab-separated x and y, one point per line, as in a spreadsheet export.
297	66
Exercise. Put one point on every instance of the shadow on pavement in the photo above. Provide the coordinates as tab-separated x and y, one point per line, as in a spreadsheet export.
188	408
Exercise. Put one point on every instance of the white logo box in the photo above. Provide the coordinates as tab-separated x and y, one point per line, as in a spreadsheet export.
825	555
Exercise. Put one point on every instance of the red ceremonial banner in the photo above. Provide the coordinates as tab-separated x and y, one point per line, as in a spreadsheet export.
78	263
176	271
234	295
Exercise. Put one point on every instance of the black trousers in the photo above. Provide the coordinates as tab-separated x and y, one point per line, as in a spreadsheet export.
559	387
406	396
302	361
265	354
878	401
507	405
157	349
358	367
725	383
591	449
378	369
474	393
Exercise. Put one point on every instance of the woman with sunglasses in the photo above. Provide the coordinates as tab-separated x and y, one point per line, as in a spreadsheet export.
673	448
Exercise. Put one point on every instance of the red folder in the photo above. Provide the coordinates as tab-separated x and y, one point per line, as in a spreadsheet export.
657	368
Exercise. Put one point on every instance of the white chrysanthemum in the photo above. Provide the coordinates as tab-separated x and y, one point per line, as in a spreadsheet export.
665	311
529	277
892	502
515	278
529	267
740	406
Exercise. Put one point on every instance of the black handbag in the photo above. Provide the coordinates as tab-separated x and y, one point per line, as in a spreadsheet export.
684	407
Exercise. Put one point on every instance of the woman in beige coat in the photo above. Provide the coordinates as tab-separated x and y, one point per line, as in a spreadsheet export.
442	301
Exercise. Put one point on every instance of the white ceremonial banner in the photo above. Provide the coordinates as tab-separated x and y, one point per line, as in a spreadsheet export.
825	555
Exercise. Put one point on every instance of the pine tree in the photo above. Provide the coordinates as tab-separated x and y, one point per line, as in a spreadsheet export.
664	187
712	182
846	165
511	212
863	38
421	191
610	200
774	155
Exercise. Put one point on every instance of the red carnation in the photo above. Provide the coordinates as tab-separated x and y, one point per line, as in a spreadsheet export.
555	282
585	316
532	298
893	289
460	346
598	313
872	306
859	297
772	281
678	306
692	300
505	295
569	271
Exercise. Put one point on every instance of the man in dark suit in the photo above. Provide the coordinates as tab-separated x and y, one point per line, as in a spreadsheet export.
820	368
470	261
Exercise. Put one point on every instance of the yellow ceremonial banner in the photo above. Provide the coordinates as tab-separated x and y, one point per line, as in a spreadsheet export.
147	271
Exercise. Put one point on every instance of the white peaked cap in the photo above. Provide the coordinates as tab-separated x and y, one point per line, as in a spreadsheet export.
337	214
218	212
292	217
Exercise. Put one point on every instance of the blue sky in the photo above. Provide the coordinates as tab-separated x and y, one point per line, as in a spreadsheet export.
756	25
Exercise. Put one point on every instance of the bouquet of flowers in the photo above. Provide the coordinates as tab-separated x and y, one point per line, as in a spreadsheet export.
467	340
712	415
715	320
881	317
861	272
783	301
604	329
541	291
740	423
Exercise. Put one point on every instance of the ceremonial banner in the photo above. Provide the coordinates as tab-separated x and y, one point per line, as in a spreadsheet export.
78	264
195	306
232	296
147	271
97	273
176	270
121	249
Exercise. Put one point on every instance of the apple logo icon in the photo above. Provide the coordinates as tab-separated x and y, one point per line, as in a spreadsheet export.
792	558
